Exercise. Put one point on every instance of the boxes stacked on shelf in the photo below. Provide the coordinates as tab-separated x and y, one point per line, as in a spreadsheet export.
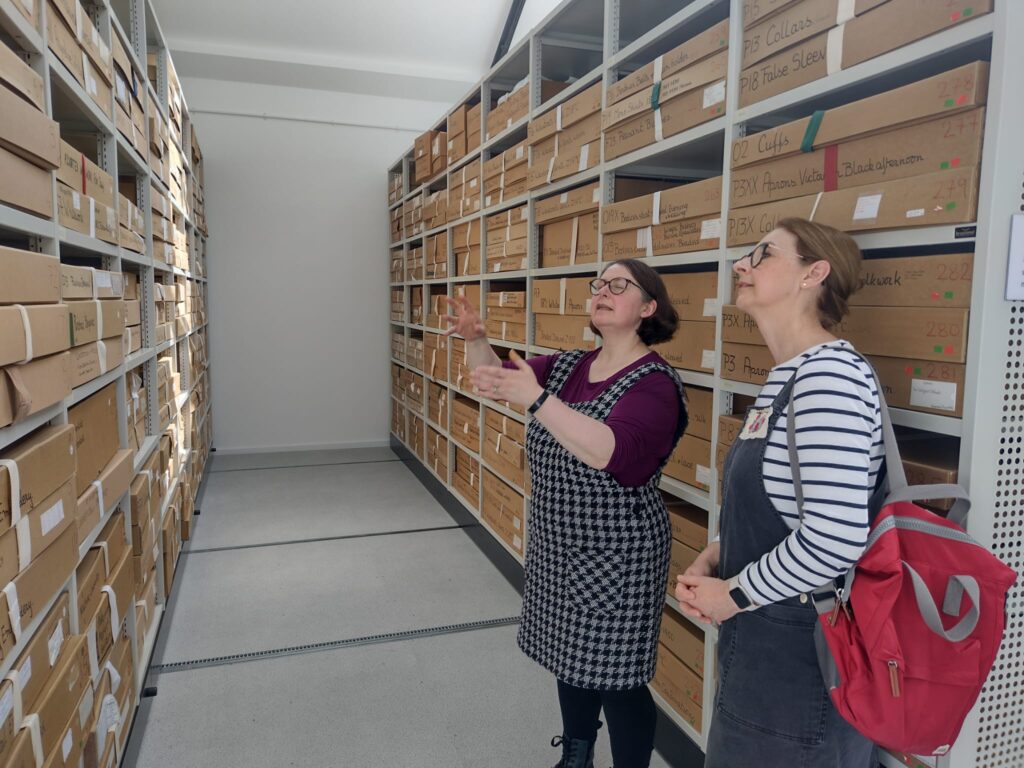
97	320
171	538
181	249
905	158
416	305
438	308
136	402
396	382
418	436
503	511
129	109
437	453
163	226
679	676
415	264
561	310
566	140
691	461
822	41
505	175
569	225
437	405
414	353
398	345
466	477
198	187
133	330
458	374
465	428
695	297
398	305
159	143
76	41
515	105
506	241
397	266
729	427
131	222
85	195
463	132
166	298
678	91
506	316
435	210
677	220
398	421
397	230
29	11
431	155
467	247
412	216
175	104
32	279
436	257
395	188
504	447
178	179
464	191
29	140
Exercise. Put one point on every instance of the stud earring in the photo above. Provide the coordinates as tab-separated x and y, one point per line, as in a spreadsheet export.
803	285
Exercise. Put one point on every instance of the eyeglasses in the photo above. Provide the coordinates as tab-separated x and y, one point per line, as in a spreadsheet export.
760	251
616	285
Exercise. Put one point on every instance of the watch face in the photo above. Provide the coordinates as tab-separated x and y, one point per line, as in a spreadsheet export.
739	597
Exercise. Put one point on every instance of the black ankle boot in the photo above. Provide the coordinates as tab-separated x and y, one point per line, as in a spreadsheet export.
576	753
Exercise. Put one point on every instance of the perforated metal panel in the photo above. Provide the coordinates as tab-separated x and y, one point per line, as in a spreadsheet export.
1001	708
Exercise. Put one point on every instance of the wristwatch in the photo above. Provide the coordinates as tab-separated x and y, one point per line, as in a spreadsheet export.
539	402
739	596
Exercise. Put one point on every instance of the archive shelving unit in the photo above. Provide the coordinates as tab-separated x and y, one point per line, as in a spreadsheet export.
601	40
68	103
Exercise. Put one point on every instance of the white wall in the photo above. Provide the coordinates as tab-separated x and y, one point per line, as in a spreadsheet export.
298	261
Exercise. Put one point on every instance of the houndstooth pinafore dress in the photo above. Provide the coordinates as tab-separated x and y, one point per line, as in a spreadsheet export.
597	555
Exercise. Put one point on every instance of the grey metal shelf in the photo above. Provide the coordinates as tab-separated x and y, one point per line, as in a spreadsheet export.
145	451
16	25
84	242
26	223
91	388
61	79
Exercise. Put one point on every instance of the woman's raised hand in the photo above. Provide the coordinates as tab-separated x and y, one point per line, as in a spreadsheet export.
464	320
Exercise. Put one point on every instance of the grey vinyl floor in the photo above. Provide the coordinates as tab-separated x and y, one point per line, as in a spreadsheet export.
295	550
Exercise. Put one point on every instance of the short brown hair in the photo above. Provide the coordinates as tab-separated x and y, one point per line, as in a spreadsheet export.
820	242
661	326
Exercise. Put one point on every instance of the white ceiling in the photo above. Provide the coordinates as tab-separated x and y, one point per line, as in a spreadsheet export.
435	49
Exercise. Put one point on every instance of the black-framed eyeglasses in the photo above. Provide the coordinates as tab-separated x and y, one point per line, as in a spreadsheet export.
616	285
761	251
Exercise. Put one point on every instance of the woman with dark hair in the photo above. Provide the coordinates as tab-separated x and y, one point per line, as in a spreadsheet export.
597	556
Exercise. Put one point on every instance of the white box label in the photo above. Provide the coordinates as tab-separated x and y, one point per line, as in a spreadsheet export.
103	280
714	94
867	207
916	213
26	673
707	359
703	475
55	643
69	742
941	395
53	517
6	705
711	229
710	307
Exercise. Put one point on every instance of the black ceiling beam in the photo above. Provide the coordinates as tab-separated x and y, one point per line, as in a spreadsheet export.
514	14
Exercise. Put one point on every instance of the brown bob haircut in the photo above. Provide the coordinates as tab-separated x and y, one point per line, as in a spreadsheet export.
661	326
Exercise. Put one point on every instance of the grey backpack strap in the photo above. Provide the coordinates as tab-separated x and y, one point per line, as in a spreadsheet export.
956	588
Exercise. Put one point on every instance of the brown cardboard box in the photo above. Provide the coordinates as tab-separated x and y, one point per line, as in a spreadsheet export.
90	361
45	460
564	332
569	242
694	295
44	382
565	115
91	578
699	407
746	362
795	24
683	639
931	460
681	688
28	278
74	737
949	142
502	495
689	524
505	456
114	480
63	43
951	92
466	423
922	385
695	49
132	313
709	70
37	662
95	320
682	557
504	331
924	333
504	525
27	132
692	348
696	199
46	331
680	114
663	240
916	281
569	204
95	421
564	296
64	690
690	462
111	544
38	584
43	525
883	29
87	283
729	427
21	78
25	186
500	423
512	299
740	328
946	197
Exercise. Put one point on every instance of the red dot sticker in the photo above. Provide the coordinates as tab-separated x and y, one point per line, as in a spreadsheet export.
955	162
961	99
955	16
935	295
909	371
949	350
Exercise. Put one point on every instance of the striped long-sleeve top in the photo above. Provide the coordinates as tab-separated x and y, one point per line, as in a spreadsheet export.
840	449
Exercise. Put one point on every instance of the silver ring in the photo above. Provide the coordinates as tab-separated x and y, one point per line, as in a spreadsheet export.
494	389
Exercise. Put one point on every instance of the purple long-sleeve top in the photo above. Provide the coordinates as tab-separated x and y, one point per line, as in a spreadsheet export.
643	421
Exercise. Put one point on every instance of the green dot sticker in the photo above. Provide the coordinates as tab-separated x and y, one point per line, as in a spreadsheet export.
917	371
950	206
949	295
944	165
968	12
949	103
937	349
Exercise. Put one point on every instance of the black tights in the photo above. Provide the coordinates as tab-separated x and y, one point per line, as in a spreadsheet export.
631	717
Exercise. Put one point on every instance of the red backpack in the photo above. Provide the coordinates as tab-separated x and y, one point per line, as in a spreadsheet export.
906	643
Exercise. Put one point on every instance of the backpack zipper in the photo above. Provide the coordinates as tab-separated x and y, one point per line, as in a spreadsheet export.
918	526
894	677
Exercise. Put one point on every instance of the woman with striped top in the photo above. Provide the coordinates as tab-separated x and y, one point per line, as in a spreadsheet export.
772	707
